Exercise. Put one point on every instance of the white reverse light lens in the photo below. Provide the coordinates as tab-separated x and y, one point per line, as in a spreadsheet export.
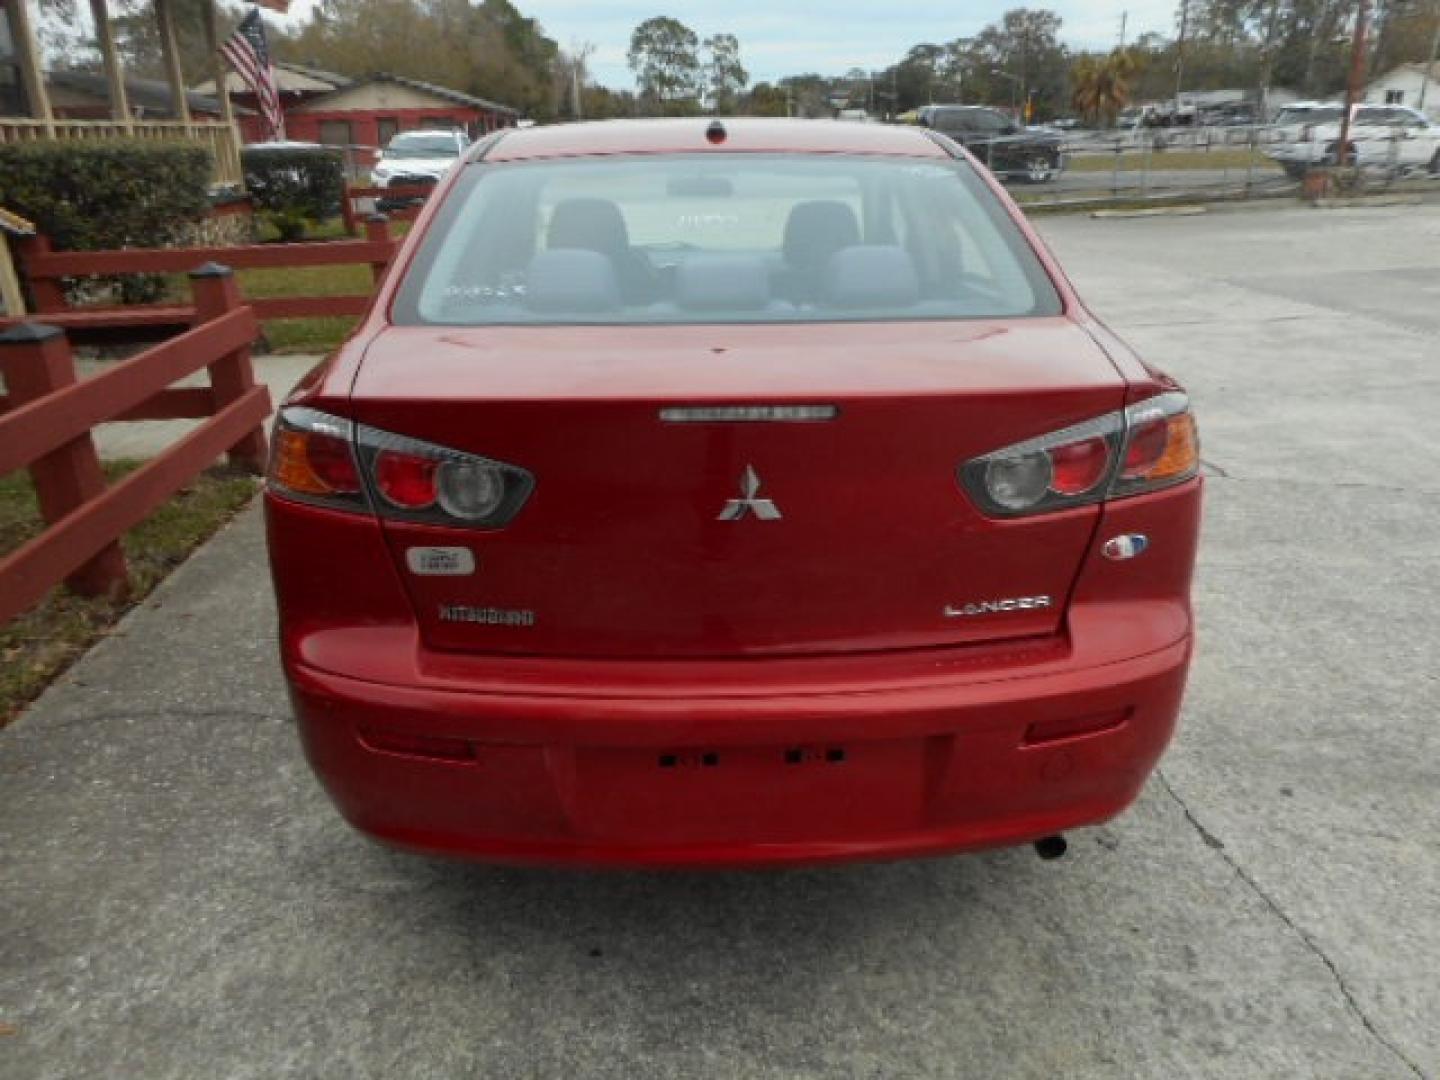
470	490
1018	483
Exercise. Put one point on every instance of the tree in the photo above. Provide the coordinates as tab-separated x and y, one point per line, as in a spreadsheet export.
137	37
766	99
663	55
725	77
487	49
1101	85
1024	47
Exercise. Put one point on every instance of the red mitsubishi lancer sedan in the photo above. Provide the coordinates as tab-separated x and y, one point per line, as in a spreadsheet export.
715	493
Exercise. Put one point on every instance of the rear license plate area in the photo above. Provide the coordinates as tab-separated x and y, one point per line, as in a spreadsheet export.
771	793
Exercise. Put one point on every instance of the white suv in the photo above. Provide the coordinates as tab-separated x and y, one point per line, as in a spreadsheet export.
1380	135
416	159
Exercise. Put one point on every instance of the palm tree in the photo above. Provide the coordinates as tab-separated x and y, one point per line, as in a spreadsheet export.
1101	87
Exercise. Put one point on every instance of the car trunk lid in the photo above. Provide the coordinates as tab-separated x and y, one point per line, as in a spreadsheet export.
652	534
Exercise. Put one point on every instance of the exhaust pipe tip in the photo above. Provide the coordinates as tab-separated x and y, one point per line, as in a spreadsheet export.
1051	847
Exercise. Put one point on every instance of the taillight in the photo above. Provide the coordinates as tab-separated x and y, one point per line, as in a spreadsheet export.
394	475
312	460
1150	445
1162	445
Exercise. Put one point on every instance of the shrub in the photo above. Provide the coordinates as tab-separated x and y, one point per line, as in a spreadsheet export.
295	182
117	193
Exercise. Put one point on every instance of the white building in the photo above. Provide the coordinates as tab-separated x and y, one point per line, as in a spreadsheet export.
1404	86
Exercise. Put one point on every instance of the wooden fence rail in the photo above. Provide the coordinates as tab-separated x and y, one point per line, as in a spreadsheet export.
45	269
46	427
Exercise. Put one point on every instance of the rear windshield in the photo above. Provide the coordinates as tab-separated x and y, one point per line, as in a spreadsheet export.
1310	115
420	146
722	238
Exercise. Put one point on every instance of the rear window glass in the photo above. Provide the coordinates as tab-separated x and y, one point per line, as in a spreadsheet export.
722	238
418	146
1309	115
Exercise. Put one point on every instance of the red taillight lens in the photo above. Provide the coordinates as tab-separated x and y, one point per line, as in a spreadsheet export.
1150	445
1079	467
406	481
420	481
1145	447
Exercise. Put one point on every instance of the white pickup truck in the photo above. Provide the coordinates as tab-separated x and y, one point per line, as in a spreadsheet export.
1394	136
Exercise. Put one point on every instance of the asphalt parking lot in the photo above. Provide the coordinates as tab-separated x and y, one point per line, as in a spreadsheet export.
177	898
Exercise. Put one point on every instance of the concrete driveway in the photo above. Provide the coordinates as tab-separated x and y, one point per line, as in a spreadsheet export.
178	900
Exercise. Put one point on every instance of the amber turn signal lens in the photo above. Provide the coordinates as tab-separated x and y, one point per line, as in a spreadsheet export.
310	463
1164	448
1182	449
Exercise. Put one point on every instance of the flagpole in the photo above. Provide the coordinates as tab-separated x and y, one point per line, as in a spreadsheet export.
217	63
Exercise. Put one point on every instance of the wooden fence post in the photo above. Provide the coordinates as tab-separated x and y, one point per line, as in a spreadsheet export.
36	361
47	292
377	230
347	212
216	292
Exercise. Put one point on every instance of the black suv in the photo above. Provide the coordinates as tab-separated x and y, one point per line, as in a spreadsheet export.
1007	148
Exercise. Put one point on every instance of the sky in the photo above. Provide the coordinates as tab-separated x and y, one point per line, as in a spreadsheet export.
789	37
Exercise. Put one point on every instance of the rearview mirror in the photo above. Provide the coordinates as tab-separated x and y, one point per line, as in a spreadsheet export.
699	187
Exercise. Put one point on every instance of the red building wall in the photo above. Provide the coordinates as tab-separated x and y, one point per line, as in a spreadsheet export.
365	124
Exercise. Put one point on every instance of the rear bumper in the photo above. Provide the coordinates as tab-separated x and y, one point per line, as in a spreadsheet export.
722	776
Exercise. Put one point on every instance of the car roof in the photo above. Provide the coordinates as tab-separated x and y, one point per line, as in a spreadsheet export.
688	135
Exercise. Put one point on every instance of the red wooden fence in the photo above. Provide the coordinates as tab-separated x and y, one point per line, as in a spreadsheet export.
45	268
49	414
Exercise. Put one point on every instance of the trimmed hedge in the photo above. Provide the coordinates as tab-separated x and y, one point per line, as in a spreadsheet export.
118	193
294	183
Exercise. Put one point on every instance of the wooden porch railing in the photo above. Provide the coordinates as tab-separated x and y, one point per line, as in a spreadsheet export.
220	138
45	268
46	427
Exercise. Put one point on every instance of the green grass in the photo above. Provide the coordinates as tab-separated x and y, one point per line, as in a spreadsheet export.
307	335
1170	159
40	644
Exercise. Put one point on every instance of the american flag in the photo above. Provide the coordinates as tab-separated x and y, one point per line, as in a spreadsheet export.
247	53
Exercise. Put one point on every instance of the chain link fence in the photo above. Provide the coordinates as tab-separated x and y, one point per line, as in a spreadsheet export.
1175	164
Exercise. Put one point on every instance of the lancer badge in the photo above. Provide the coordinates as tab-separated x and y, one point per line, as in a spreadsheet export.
748	503
996	607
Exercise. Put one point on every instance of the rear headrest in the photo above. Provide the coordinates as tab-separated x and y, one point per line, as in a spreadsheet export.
588	224
871	276
816	230
722	283
571	282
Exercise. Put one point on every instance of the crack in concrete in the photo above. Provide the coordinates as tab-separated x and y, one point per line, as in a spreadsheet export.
1346	993
1215	472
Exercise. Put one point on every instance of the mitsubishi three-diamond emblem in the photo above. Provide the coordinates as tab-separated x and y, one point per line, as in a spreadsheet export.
748	503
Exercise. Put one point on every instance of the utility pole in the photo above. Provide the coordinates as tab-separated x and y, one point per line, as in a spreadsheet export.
579	53
1124	18
1430	65
1180	51
1357	77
